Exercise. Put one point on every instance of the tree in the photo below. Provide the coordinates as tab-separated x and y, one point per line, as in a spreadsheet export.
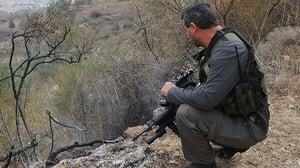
11	24
257	17
45	40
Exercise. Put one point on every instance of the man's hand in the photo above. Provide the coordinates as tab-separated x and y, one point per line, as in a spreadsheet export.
165	89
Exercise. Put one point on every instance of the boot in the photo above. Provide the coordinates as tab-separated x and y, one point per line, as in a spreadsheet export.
227	152
197	165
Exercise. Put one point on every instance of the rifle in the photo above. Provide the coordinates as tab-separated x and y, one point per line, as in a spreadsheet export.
164	116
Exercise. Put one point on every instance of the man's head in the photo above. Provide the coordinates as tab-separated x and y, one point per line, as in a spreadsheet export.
201	15
197	20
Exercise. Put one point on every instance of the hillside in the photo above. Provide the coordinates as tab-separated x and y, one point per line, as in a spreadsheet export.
116	25
280	149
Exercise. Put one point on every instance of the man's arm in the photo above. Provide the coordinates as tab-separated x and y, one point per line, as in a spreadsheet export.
222	77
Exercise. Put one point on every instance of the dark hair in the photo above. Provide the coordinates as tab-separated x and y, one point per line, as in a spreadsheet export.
201	15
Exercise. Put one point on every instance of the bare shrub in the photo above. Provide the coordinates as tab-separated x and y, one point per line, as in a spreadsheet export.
272	50
256	18
95	14
192	2
115	100
280	54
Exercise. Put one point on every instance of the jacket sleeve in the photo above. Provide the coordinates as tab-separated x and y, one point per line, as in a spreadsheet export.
222	76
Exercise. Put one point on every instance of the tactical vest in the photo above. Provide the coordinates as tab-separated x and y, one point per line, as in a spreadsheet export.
245	98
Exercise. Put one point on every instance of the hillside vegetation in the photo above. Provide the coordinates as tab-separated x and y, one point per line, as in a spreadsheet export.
132	48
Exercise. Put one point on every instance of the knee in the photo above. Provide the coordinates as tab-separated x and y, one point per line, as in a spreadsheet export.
191	120
183	113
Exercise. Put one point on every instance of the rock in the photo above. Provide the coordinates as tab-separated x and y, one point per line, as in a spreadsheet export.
129	132
123	154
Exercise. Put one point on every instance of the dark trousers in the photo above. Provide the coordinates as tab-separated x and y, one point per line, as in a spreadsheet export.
198	128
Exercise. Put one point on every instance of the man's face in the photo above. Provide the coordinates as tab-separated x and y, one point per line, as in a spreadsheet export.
190	33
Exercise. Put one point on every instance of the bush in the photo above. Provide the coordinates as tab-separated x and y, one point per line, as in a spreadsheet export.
280	54
11	24
95	14
66	80
112	94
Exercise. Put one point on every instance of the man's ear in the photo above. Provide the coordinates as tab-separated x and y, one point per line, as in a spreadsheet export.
193	26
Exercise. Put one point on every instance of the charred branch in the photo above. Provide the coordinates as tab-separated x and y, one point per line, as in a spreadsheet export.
52	155
14	152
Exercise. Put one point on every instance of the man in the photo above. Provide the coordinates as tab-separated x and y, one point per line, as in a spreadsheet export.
204	115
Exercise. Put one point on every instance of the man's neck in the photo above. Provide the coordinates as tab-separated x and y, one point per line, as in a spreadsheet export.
209	34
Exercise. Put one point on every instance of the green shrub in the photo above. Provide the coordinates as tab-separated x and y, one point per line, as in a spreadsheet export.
11	24
66	80
4	81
